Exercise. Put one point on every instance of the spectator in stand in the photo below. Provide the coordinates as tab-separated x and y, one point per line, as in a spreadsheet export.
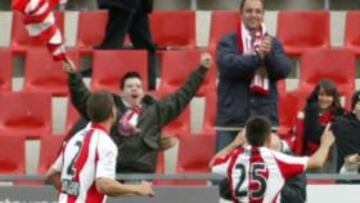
250	62
347	132
140	118
322	107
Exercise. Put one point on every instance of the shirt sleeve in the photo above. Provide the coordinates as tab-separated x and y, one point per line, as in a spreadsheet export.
221	164
290	165
58	162
106	163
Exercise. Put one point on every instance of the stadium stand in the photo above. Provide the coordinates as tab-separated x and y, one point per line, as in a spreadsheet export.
173	29
25	114
6	70
12	155
49	147
43	74
314	32
352	31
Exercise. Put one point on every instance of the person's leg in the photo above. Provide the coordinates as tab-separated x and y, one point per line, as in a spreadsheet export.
116	29
224	138
140	36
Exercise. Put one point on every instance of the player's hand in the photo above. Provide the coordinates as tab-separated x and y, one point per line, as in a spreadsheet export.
352	159
327	138
69	66
240	139
145	189
206	60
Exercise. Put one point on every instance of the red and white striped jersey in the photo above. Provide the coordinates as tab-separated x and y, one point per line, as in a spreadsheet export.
257	174
88	155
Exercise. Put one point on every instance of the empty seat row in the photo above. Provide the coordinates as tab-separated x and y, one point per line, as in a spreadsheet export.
177	29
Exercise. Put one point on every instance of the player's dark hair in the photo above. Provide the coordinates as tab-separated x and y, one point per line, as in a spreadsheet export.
129	75
242	4
258	128
99	106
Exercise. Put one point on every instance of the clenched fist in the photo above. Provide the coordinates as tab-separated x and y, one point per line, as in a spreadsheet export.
206	60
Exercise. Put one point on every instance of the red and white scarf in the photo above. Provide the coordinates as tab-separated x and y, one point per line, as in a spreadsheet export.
40	24
129	121
250	45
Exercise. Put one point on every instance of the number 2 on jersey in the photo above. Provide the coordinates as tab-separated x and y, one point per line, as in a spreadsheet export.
71	170
256	176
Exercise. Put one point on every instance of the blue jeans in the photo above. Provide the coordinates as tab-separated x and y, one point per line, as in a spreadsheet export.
224	138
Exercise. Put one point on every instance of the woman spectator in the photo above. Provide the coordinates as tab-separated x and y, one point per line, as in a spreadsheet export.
322	107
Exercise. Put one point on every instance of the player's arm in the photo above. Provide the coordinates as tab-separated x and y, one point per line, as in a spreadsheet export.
318	159
54	177
238	141
113	188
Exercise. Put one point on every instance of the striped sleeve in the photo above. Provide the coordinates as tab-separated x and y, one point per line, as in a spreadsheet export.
290	165
106	163
221	164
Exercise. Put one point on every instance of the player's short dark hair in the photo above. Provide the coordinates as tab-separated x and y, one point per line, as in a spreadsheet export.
99	106
258	128
129	75
242	4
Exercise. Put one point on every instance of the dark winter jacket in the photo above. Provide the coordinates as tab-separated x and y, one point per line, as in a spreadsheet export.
235	102
138	153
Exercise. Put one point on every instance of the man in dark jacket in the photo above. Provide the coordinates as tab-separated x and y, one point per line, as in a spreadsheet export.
140	118
250	62
130	16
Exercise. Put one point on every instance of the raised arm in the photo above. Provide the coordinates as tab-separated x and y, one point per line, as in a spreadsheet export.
172	105
79	92
318	159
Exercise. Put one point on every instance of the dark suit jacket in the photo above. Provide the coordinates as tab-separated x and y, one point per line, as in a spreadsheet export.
128	5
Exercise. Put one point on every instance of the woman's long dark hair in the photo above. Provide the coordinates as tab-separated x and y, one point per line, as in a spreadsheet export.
329	88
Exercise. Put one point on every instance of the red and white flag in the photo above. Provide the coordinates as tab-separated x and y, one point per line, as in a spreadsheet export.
40	23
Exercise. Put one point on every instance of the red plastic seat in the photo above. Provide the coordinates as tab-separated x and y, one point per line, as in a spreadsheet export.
222	22
91	30
12	155
173	29
110	66
43	74
176	67
49	148
6	70
20	40
300	30
289	105
352	31
25	114
335	64
195	161
210	114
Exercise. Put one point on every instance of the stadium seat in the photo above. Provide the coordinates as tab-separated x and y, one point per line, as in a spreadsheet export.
49	148
160	166
289	105
222	22
110	66
352	31
281	86
335	64
180	126
6	70
195	161
72	117
314	32
20	40
12	155
173	29
25	114
43	74
210	114
91	30
176	66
